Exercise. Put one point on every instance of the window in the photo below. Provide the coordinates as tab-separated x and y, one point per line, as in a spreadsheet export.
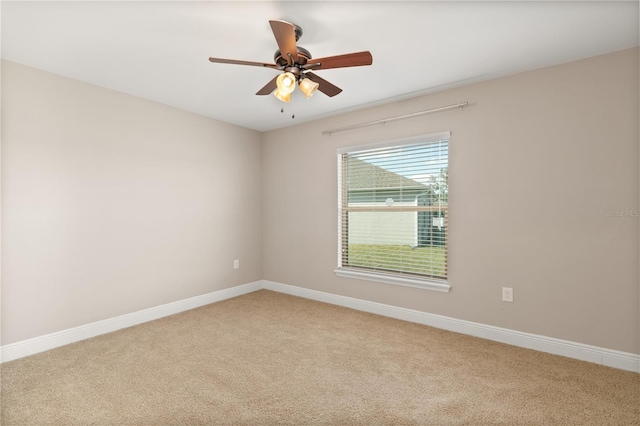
393	212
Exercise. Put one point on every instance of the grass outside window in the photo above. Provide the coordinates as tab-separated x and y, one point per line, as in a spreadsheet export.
427	261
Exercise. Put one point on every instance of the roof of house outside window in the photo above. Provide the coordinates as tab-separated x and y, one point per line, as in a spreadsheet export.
366	176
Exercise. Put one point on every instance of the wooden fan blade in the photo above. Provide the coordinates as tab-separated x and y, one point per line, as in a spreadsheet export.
285	35
324	86
357	59
236	62
268	88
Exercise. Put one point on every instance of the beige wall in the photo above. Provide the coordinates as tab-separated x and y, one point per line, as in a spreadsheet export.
536	162
113	204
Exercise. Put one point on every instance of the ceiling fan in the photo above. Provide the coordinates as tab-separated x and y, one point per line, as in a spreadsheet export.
296	64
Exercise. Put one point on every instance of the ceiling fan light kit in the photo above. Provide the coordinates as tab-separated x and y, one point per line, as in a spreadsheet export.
296	64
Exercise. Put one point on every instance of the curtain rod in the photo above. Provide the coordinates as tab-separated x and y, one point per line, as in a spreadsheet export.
460	105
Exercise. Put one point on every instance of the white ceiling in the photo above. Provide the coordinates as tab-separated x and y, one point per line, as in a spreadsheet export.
159	50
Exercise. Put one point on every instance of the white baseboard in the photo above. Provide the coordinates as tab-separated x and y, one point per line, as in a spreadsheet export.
598	355
609	357
49	341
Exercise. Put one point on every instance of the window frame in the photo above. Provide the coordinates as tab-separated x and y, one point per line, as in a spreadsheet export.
429	283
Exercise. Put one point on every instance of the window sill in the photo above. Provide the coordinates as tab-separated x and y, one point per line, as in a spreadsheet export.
441	286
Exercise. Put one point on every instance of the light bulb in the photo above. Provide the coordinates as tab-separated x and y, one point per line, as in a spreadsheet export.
286	82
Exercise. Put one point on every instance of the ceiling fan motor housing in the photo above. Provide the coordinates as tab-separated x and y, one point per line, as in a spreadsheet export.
303	56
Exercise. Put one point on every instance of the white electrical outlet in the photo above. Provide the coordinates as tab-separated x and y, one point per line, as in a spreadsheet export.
507	294
236	264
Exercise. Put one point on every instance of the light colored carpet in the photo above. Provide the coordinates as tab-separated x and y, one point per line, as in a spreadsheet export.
271	359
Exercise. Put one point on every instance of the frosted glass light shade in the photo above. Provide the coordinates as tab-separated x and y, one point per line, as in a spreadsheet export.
308	87
284	97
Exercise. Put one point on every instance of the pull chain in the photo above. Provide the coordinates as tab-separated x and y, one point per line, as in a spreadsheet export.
292	115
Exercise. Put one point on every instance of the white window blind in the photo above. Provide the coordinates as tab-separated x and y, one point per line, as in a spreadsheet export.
393	209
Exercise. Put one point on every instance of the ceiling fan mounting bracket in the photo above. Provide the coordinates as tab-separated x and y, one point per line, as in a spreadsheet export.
297	30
